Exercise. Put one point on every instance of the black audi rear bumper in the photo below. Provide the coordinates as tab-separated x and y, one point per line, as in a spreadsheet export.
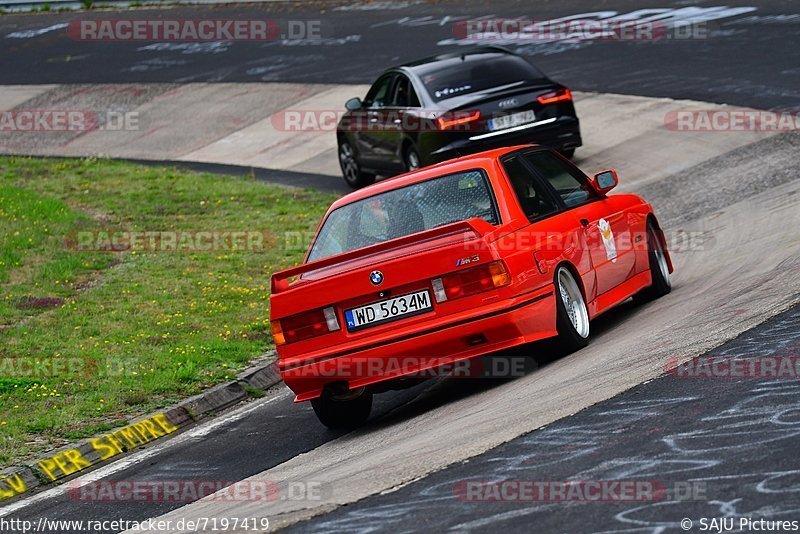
561	133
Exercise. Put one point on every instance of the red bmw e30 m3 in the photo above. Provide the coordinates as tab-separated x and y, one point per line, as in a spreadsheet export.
454	261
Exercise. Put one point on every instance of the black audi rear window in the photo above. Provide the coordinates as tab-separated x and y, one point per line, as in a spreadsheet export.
473	74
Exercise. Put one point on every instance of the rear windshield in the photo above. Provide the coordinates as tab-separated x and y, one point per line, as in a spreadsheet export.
474	75
405	211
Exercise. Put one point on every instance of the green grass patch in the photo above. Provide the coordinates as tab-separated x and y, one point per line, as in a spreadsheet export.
140	329
254	392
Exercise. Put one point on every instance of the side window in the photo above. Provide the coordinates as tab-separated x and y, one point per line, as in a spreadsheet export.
331	238
568	182
379	94
404	94
535	202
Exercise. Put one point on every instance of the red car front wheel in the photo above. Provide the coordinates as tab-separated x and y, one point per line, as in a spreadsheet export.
572	316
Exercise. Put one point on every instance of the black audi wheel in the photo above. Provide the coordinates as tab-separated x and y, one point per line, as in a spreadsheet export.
351	169
412	159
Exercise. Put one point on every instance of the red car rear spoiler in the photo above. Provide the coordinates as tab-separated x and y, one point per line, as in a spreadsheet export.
477	225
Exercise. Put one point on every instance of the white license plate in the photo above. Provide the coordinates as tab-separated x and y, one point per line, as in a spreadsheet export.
388	310
509	121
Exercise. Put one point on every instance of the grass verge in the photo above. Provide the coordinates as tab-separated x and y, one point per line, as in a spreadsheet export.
93	332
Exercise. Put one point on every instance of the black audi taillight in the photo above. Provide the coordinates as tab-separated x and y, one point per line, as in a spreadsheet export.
562	95
458	120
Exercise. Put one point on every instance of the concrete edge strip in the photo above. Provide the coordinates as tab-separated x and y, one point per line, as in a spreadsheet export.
105	448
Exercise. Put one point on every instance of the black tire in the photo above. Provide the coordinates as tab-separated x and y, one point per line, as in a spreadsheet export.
570	338
411	159
351	168
342	413
568	153
658	269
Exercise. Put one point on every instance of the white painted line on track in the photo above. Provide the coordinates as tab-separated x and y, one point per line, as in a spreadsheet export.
27	34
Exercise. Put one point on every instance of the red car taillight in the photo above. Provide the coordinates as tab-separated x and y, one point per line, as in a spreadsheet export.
458	120
470	281
304	325
555	96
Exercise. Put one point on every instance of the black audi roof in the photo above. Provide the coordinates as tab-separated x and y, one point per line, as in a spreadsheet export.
426	63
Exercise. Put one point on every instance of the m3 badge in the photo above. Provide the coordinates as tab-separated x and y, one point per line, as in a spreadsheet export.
467	260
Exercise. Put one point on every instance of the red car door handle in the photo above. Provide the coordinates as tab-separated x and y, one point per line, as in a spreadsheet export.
584	222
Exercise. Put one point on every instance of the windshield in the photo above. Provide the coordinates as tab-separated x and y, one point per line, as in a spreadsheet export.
400	212
461	77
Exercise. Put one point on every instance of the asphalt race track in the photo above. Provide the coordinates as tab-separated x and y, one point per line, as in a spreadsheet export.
358	42
606	412
716	441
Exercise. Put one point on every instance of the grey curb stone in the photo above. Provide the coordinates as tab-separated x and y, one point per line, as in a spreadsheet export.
262	375
214	400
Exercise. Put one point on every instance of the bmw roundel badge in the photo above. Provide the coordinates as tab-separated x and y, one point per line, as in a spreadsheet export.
376	277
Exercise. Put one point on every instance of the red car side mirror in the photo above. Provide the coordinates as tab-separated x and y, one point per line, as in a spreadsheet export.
605	181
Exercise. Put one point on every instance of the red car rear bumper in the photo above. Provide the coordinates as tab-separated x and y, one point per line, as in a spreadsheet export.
435	343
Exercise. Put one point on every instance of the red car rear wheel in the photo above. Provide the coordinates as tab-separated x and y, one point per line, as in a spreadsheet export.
659	270
343	411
